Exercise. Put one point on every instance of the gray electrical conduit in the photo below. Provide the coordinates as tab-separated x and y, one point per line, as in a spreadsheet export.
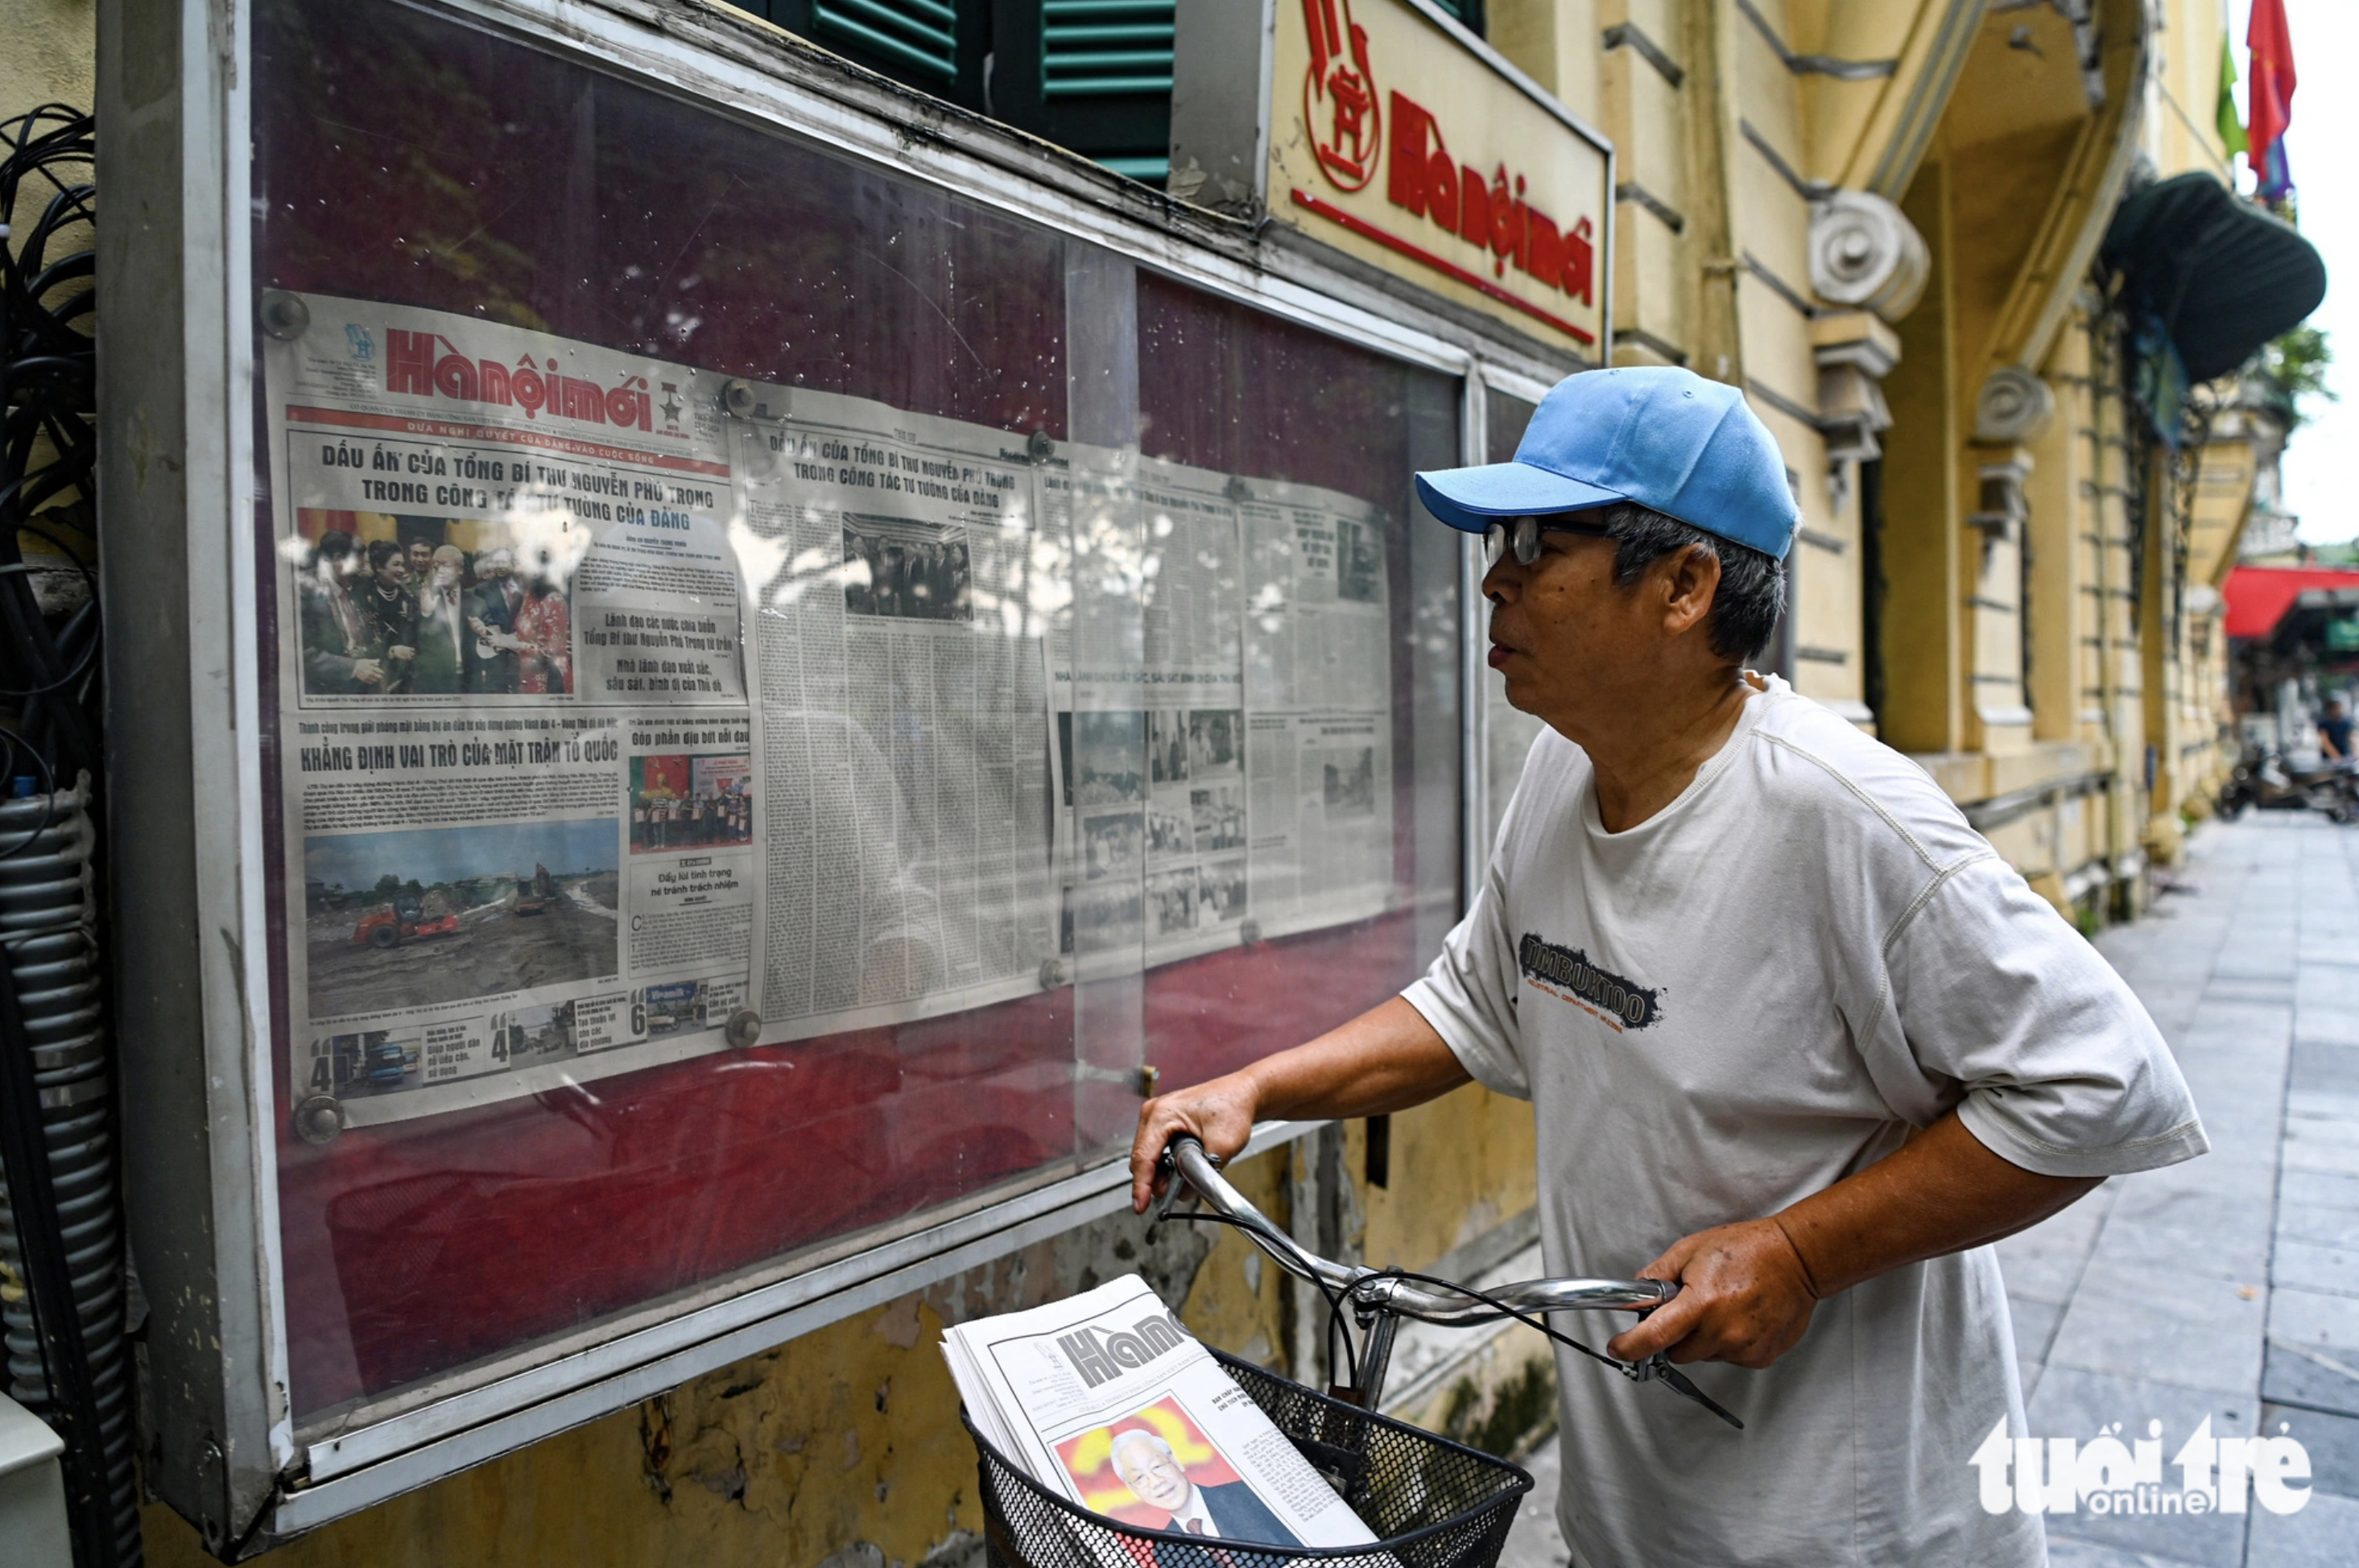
47	932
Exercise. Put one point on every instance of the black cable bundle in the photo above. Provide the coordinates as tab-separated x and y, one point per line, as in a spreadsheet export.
56	1124
49	396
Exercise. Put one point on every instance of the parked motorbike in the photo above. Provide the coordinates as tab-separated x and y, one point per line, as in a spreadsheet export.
2262	779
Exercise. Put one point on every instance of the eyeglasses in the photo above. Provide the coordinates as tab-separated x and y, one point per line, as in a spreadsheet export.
1522	534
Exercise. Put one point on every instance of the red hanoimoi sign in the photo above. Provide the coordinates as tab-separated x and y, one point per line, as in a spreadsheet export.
1440	127
1428	181
1338	94
413	365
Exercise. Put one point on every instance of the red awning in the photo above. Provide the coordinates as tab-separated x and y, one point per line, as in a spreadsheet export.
2258	597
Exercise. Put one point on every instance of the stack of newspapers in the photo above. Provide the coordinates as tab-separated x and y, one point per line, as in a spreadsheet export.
1105	1399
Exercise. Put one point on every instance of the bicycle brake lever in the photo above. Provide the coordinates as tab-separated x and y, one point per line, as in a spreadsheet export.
1172	1183
1659	1369
1160	1210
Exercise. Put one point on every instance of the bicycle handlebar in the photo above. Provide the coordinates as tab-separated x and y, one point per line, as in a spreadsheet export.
1192	1163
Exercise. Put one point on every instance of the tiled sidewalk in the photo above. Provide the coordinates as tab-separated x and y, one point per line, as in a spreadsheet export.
2227	1286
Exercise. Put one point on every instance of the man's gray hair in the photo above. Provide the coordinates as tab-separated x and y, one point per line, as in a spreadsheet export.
1752	592
1138	1435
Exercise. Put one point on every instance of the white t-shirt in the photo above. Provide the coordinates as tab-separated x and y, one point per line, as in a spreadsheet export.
1754	993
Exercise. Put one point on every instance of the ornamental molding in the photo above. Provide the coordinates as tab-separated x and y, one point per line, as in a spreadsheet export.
1864	253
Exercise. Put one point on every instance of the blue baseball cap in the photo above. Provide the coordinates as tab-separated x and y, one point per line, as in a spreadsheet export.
1662	437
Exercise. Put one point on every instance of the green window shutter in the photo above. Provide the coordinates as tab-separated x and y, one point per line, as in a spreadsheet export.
935	45
1096	48
917	35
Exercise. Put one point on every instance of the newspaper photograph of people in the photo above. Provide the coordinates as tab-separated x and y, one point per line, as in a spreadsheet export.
629	713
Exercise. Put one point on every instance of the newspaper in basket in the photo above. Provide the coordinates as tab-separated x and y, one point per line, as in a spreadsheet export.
1104	1399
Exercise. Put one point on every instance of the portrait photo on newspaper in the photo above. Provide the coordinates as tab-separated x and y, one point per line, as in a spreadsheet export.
1155	1469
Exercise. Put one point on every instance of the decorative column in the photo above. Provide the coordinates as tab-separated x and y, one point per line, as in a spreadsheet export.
1866	254
2011	411
1868	266
1868	259
1855	352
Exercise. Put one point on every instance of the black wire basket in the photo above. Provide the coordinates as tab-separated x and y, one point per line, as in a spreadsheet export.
1431	1503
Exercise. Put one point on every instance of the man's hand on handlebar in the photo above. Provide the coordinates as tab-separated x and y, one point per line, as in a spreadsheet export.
1387	1059
1748	1289
1744	1297
1220	1114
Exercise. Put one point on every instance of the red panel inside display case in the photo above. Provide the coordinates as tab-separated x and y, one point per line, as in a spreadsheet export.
406	157
403	157
1225	387
418	1247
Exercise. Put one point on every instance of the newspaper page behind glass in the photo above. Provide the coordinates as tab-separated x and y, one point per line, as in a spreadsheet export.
1223	684
903	723
1097	661
1105	1399
1193	691
513	708
611	720
1317	697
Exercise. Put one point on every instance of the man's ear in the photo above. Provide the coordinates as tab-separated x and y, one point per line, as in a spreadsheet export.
1689	581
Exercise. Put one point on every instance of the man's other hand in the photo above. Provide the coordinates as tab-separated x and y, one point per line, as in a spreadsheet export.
1744	1297
1220	1115
1747	1290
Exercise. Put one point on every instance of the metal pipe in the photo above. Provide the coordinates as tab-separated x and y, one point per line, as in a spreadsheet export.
1390	1293
48	934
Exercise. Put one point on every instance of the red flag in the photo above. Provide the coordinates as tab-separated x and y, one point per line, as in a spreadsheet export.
2272	77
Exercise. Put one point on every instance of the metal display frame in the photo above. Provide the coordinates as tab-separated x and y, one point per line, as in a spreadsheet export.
180	489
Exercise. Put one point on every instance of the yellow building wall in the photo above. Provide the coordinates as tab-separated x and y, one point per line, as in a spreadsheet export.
2180	131
2119	693
1555	43
1863	128
1645	114
46	54
1770	222
1713	266
2019	666
1464	1165
1923	620
2199	513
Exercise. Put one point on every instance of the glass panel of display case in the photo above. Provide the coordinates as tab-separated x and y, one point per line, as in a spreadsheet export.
784	689
1331	789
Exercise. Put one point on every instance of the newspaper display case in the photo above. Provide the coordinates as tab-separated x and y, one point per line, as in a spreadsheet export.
758	662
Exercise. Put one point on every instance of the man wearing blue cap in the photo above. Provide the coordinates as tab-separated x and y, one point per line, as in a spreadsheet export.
1791	1028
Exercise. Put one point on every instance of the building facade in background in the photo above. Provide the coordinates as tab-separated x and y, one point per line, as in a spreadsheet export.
1970	263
